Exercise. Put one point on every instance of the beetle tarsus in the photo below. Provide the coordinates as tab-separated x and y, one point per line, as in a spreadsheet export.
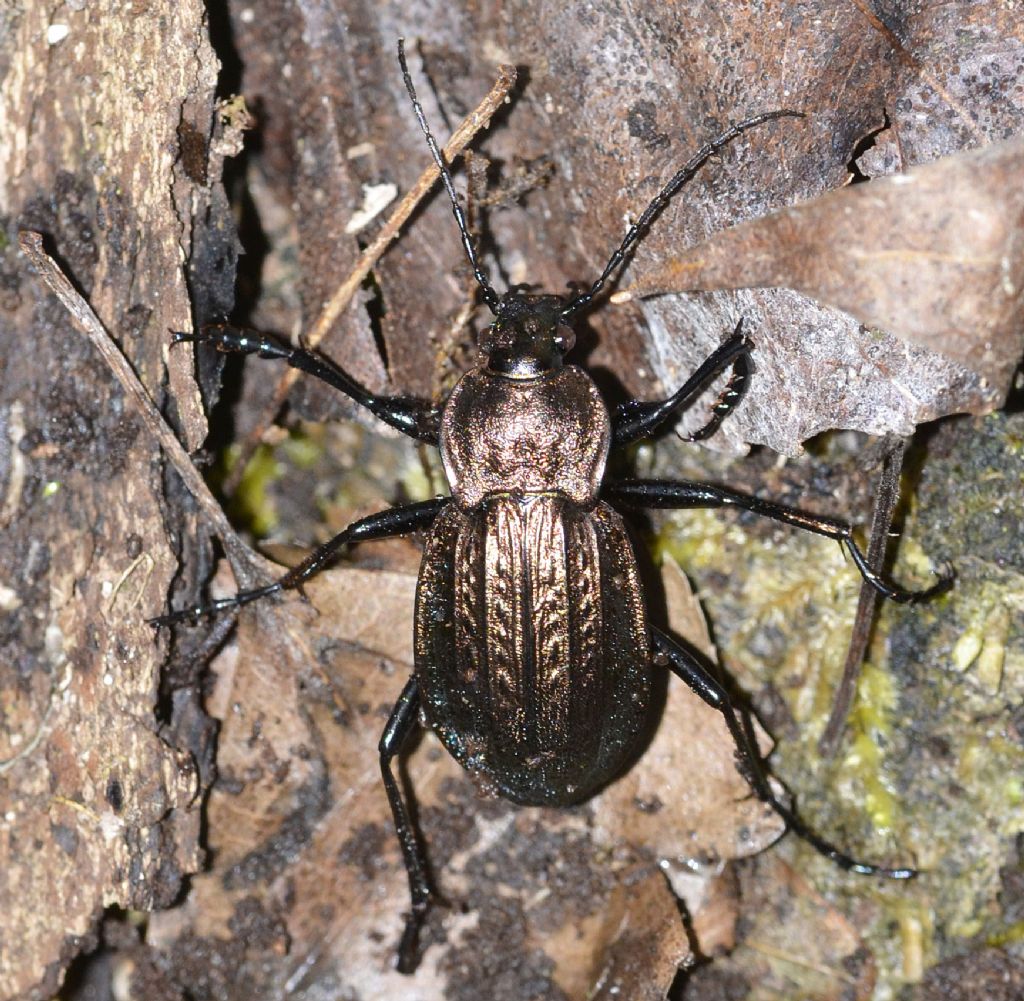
728	399
641	418
193	615
903	596
408	958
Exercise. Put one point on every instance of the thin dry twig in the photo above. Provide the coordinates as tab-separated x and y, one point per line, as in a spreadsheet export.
89	324
881	522
773	952
476	120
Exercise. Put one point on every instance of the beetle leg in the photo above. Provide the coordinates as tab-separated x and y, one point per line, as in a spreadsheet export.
416	418
686	667
383	525
399	727
685	494
639	419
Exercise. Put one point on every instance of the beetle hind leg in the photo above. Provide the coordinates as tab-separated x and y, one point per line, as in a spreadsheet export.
686	667
399	727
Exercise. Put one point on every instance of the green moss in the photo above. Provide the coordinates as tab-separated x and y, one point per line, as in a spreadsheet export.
324	475
421	481
931	771
694	539
1013	791
1011	935
252	505
870	726
303	449
864	760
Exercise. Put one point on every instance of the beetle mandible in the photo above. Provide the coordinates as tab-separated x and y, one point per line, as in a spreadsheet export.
533	651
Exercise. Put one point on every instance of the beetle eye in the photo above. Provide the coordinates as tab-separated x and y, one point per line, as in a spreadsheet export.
565	338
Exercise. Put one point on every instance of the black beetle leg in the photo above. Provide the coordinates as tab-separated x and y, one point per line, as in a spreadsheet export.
400	725
639	419
383	525
413	417
686	667
685	494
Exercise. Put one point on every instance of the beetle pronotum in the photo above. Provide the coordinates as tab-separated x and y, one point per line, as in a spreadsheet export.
533	651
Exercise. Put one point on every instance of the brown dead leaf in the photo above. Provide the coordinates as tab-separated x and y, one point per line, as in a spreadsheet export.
794	944
298	819
685	800
300	831
934	255
644	948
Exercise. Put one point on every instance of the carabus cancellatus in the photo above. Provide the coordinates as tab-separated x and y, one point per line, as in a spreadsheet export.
534	656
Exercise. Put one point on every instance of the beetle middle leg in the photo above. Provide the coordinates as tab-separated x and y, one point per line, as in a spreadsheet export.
685	666
685	494
383	525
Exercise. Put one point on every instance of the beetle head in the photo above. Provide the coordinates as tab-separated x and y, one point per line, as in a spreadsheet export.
528	336
530	333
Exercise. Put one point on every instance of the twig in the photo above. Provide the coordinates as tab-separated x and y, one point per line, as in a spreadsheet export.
88	323
773	952
881	522
478	119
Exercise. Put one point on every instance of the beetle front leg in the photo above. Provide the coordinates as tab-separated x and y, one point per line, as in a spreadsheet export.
683	494
383	525
639	419
687	668
400	725
416	418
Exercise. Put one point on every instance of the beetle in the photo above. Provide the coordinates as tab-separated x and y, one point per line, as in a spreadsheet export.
534	655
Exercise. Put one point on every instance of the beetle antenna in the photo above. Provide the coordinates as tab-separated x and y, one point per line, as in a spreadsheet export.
639	229
490	296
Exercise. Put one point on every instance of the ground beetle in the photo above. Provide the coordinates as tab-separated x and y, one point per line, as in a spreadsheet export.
534	655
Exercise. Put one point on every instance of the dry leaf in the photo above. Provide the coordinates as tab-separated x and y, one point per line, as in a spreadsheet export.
794	944
685	802
645	947
935	256
301	838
